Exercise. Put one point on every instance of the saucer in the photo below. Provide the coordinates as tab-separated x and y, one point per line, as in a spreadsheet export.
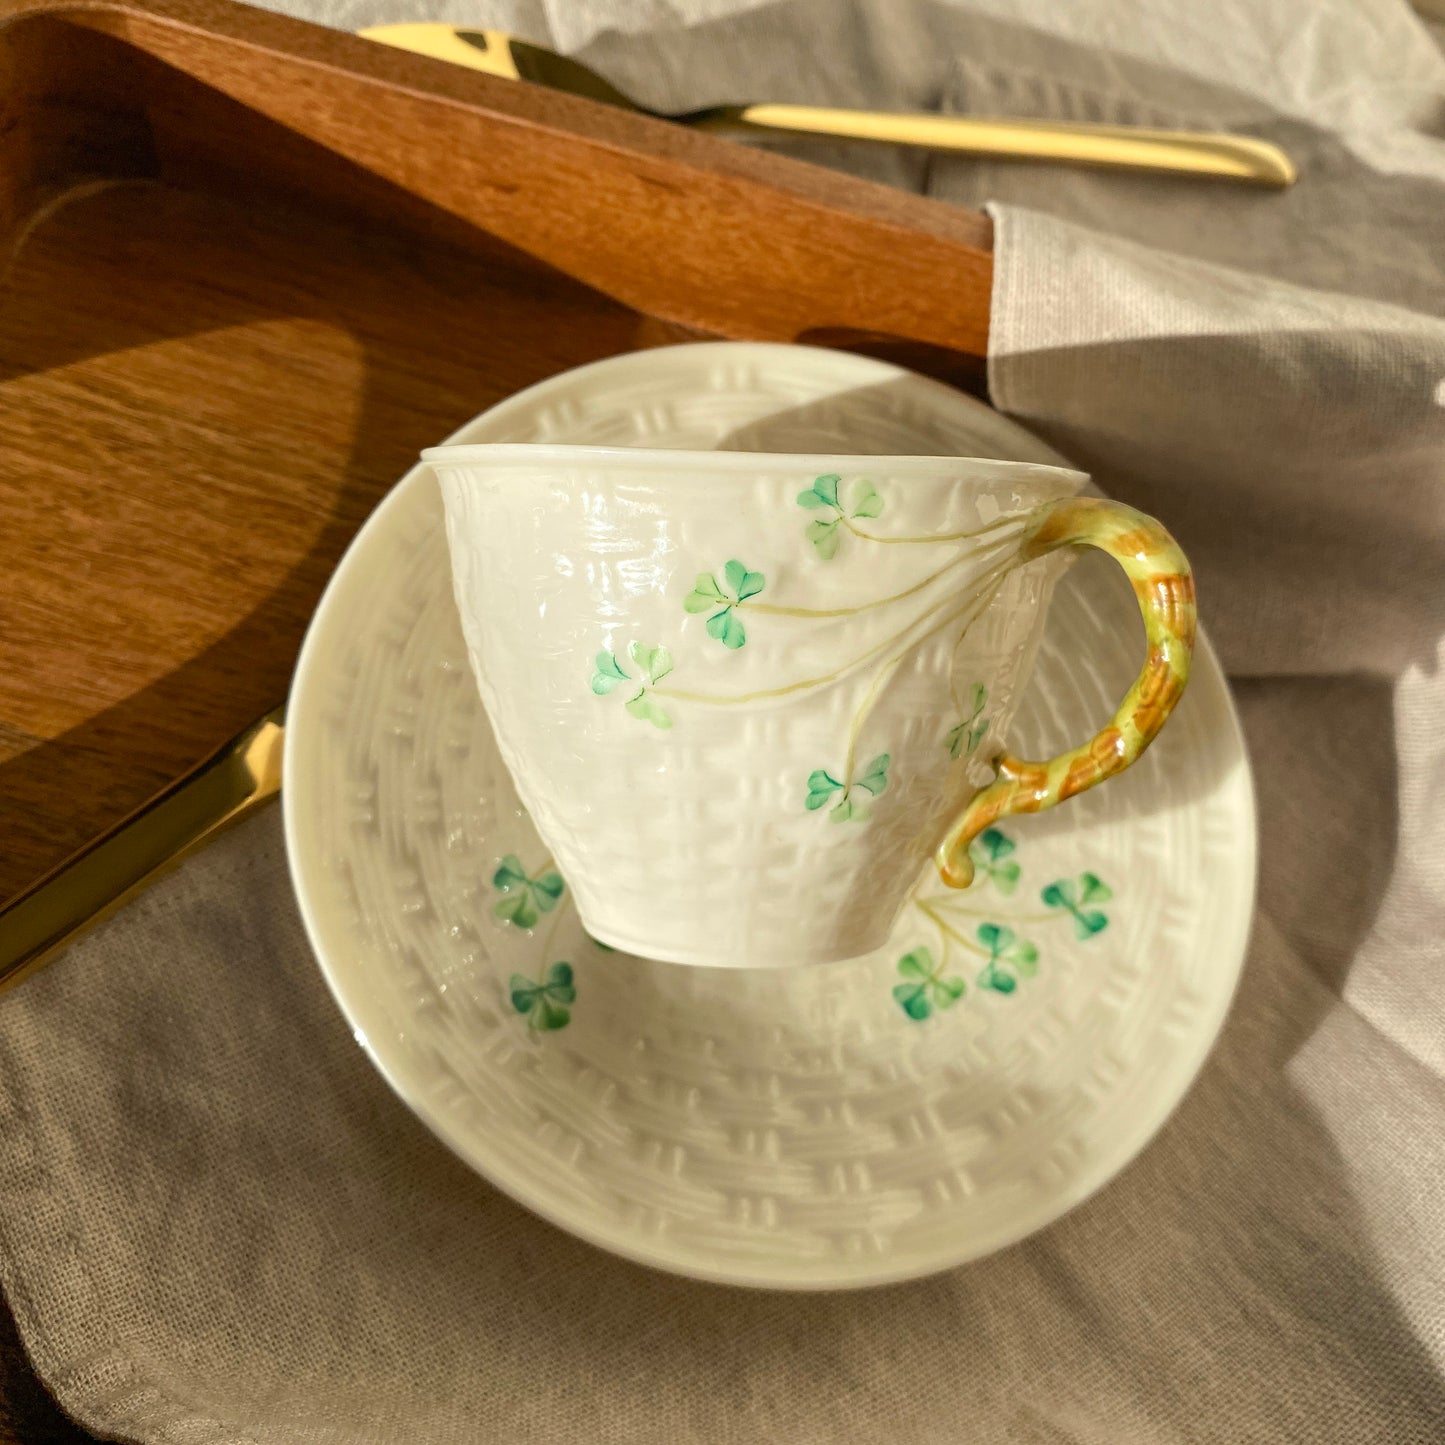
1011	1049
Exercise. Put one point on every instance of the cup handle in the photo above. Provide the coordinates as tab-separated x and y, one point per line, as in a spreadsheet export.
1164	586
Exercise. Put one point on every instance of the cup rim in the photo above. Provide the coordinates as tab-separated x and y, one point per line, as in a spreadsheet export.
658	458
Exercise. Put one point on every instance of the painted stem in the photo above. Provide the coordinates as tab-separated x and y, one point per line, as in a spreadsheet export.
772	609
891	666
949	931
993	575
989	913
861	715
557	917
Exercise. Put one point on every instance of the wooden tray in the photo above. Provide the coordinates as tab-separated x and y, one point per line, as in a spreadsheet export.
248	267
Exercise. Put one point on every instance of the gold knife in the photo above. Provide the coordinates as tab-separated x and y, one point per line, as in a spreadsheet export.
97	880
1197	153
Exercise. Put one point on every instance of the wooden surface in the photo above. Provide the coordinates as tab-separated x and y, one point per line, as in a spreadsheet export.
243	284
672	223
251	383
248	268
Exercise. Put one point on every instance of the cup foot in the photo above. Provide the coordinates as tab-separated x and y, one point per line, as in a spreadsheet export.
785	955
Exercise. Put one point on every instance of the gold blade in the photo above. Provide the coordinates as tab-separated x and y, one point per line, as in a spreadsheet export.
495	52
487	50
92	884
1136	148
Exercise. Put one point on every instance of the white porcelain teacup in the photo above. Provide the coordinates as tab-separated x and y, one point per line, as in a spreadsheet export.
744	697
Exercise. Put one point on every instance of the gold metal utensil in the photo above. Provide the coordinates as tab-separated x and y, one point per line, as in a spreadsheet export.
1201	153
83	890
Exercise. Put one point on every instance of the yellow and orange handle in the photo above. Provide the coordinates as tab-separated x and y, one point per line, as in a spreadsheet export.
1164	586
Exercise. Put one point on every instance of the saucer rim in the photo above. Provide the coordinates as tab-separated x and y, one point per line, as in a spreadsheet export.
835	1275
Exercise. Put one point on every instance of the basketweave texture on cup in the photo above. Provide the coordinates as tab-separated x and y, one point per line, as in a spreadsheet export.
729	687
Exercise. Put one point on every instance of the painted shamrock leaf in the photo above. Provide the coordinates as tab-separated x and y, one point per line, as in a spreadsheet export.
644	708
525	897
725	624
654	663
875	775
1074	897
1005	951
963	740
824	537
866	501
825	534
822	786
607	673
545	1004
926	989
990	853
823	492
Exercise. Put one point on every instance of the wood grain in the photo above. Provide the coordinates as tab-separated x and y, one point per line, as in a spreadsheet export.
243	284
202	402
672	223
248	268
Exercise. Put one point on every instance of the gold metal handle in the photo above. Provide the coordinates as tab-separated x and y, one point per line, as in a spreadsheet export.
489	51
82	891
1196	153
1200	153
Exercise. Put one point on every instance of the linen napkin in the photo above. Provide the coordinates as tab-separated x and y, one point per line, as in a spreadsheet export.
217	1225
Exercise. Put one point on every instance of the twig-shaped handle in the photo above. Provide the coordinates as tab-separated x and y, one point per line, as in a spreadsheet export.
1164	586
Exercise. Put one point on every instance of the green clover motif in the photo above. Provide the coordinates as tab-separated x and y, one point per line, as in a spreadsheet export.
607	674
524	897
964	739
725	624
1075	896
927	988
990	853
822	786
1008	958
545	1004
653	663
1005	951
825	534
823	492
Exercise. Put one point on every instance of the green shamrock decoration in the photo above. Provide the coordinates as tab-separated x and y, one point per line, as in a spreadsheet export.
964	739
1005	950
1074	898
545	1004
654	663
1009	959
724	624
928	989
524	897
824	533
609	672
990	853
822	786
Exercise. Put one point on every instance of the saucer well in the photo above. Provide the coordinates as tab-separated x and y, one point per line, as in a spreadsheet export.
1011	1049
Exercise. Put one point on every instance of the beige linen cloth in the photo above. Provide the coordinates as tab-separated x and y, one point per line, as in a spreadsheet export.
216	1224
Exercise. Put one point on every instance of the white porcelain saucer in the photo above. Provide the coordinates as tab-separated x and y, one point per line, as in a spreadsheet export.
1011	1049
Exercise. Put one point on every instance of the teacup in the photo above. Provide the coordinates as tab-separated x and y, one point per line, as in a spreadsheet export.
745	697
